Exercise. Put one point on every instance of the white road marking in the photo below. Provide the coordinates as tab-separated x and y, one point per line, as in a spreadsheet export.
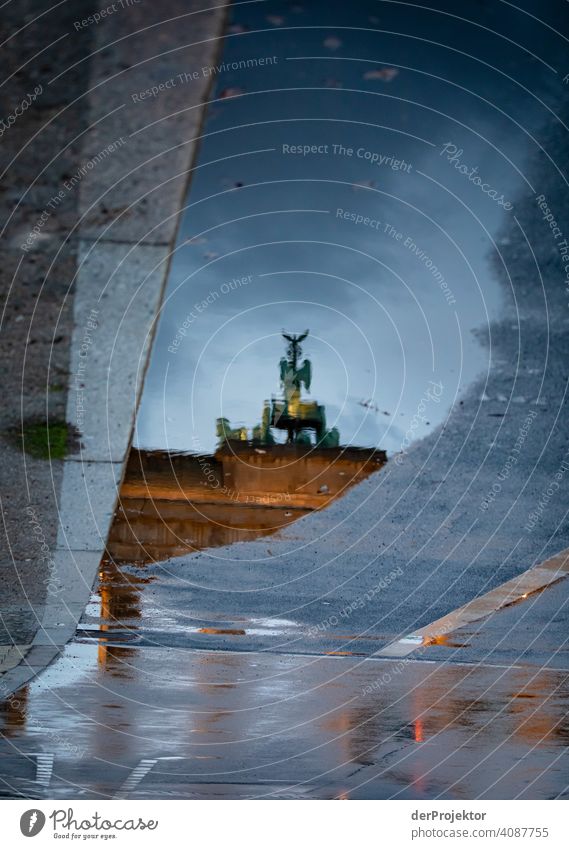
44	768
517	589
135	777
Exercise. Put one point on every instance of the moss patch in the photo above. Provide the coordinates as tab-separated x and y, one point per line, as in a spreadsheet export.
43	440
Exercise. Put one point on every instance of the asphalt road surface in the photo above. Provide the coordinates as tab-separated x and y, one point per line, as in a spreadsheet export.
237	672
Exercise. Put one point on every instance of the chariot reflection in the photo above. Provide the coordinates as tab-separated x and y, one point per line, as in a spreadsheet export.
258	480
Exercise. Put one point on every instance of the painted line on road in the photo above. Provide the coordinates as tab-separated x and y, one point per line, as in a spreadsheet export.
135	777
515	590
44	768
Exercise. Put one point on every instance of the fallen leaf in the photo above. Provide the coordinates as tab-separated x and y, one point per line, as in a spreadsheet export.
383	74
332	42
230	92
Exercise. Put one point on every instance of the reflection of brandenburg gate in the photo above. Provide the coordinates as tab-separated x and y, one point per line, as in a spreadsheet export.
253	485
168	506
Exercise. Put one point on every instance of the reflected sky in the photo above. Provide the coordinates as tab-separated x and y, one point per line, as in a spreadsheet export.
321	198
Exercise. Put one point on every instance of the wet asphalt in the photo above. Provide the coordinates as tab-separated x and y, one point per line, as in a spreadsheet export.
214	669
248	725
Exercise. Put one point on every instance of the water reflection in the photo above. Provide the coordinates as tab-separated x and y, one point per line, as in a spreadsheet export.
320	198
13	712
258	480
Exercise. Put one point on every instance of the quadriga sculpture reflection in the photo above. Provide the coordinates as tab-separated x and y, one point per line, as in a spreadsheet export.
257	481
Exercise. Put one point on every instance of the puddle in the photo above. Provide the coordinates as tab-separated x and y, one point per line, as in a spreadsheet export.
324	300
326	206
256	480
173	503
131	604
325	292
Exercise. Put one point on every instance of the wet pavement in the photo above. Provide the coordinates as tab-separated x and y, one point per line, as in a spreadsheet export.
110	720
156	699
249	670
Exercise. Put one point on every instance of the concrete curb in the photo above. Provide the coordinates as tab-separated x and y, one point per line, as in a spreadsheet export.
124	254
